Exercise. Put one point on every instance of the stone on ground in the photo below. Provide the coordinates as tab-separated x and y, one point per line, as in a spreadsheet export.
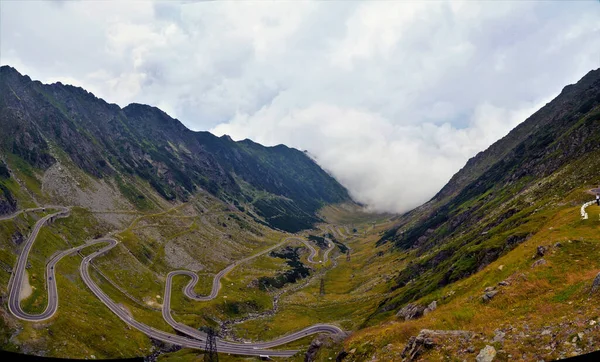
411	311
596	283
486	355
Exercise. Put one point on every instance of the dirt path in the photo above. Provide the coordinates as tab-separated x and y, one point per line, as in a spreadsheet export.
26	288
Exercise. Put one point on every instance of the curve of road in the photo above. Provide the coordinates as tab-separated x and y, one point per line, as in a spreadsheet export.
188	290
328	250
334	232
17	213
246	349
584	214
18	275
199	338
331	230
341	232
313	251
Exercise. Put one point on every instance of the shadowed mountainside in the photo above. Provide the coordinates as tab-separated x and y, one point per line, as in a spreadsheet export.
491	205
280	185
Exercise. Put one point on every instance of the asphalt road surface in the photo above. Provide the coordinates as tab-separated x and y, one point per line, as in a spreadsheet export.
336	232
328	250
199	339
17	213
188	290
342	231
246	349
313	251
225	346
18	275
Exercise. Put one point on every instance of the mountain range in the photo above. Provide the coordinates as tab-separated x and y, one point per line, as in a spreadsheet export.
139	146
499	238
486	209
498	263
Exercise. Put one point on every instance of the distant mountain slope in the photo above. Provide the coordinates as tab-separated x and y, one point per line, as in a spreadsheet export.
573	100
493	203
38	122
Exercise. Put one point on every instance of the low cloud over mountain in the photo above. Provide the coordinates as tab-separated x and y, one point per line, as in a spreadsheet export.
391	98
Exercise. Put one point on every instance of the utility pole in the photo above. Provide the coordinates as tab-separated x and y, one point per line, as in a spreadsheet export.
322	291
211	354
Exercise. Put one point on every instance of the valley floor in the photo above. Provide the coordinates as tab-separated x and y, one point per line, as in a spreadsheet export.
242	310
540	306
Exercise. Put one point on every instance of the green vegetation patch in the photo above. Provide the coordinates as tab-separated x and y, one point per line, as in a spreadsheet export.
298	270
319	240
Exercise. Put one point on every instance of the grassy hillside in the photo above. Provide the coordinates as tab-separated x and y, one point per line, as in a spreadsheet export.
173	198
539	309
508	224
501	208
484	228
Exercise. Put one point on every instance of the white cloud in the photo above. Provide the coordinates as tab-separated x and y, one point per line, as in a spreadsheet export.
388	166
375	28
391	97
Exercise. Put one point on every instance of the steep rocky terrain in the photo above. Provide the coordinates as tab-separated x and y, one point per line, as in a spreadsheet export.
173	199
139	145
501	252
499	265
485	210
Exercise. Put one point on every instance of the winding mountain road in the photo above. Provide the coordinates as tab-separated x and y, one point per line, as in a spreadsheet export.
313	251
199	338
199	343
188	290
337	233
18	275
334	232
17	213
328	250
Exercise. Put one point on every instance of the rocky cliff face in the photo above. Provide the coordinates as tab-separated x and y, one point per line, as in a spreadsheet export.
483	212
42	122
8	204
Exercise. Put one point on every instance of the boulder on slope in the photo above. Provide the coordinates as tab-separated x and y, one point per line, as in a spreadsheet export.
411	311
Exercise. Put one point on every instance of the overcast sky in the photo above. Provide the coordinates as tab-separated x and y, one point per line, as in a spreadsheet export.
391	97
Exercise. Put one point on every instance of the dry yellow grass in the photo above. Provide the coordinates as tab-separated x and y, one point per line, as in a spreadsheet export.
554	296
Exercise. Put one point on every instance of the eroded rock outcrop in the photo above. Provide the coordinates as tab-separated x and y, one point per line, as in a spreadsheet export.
427	339
488	294
540	251
411	311
430	308
324	341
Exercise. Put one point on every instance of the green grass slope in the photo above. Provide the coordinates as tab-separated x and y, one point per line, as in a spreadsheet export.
503	206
